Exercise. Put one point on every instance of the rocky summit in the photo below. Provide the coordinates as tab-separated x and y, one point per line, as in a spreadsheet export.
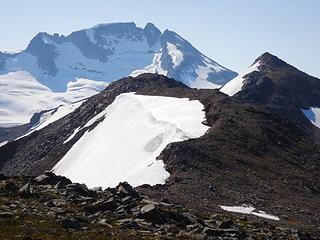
51	207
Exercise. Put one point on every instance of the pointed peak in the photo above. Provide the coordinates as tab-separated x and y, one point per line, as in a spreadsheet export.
269	59
152	33
150	25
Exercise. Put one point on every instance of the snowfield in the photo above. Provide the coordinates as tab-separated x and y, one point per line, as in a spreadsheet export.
124	146
313	114
235	85
22	96
249	210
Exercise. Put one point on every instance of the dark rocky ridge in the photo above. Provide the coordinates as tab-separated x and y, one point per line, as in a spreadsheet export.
250	155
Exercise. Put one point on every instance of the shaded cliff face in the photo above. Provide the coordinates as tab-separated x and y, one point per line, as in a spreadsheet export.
108	52
250	155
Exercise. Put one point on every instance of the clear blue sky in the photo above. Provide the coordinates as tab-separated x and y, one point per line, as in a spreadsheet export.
232	32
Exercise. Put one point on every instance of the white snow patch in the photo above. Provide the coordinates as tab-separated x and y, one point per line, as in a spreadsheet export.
155	67
72	135
201	81
249	210
124	146
313	114
175	53
236	84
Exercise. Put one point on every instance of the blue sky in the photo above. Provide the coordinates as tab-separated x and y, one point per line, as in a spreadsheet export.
232	32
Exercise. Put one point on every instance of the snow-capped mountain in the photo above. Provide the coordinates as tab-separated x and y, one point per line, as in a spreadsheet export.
57	70
108	52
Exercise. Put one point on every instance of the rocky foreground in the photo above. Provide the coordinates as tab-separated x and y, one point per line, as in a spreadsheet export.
52	207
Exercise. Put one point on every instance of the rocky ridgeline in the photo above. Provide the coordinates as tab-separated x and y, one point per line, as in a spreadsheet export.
52	207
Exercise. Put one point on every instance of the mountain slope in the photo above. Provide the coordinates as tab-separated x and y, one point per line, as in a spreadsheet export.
108	52
251	154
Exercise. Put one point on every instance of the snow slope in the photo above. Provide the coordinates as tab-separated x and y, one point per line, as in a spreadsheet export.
249	210
236	84
313	114
124	146
21	95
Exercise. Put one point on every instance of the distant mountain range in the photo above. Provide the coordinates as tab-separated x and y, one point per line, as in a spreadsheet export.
91	58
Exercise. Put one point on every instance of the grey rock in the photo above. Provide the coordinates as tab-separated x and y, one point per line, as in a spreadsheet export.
25	191
151	213
52	179
103	222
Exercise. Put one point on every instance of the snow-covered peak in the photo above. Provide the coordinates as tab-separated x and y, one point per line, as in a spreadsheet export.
235	85
111	51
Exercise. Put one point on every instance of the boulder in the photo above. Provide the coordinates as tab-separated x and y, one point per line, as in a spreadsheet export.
102	205
80	189
52	179
150	212
125	189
